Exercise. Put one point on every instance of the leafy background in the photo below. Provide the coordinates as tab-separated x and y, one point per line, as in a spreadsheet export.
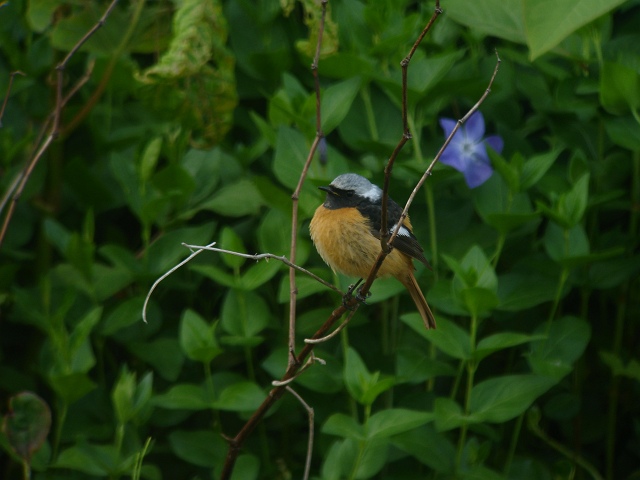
193	127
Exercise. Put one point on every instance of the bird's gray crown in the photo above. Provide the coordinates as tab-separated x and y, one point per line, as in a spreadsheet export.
360	185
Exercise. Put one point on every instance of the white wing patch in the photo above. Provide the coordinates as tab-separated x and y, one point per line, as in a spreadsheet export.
403	232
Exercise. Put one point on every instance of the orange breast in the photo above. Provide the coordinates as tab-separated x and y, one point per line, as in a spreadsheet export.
344	241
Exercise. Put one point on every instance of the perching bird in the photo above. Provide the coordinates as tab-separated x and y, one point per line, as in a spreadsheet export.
346	232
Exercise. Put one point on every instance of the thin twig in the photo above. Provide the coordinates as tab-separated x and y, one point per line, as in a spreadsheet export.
293	291
427	172
169	272
312	360
56	115
332	334
6	97
263	256
406	133
310	415
235	443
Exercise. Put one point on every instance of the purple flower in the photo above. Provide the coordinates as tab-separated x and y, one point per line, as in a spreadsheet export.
467	152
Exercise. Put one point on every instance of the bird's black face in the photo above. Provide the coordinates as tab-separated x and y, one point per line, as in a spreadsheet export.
339	198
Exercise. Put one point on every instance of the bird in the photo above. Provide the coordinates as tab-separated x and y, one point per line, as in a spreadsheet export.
345	230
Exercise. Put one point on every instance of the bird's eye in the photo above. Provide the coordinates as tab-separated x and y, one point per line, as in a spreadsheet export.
349	193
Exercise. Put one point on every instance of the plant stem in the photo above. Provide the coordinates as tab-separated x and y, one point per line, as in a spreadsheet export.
471	370
514	443
371	117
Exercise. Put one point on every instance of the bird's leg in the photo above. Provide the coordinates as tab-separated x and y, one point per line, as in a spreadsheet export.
349	295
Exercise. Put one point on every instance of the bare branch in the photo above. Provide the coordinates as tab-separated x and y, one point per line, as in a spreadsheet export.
6	96
427	172
406	134
171	270
54	117
293	291
263	256
310	414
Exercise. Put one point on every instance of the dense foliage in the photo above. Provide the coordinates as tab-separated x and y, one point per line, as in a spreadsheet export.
193	126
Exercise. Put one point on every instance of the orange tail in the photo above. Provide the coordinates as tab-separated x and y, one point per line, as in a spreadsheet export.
421	303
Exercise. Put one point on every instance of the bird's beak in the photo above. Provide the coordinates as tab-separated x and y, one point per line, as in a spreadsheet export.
326	188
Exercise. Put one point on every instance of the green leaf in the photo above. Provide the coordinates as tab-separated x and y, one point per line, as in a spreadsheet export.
82	330
478	270
562	245
520	291
149	159
236	200
535	168
204	448
163	354
247	467
125	314
574	203
129	398
394	421
194	81
99	460
479	300
343	426
122	396
429	447
244	314
290	155
622	131
183	397
619	88
414	366
167	250
26	424
336	102
448	414
197	338
240	397
500	341
498	18
363	386
230	240
40	14
450	339
631	369
258	274
503	398
544	30
72	386
502	208
566	340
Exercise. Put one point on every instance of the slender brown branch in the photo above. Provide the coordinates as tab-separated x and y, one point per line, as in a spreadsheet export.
235	443
263	256
6	96
310	416
406	133
293	291
460	122
54	117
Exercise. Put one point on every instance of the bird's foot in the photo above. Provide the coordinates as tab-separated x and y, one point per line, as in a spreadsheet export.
346	299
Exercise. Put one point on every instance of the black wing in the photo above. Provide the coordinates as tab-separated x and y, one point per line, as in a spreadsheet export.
405	241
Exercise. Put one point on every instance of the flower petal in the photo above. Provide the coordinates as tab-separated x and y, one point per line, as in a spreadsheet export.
477	175
495	142
448	125
474	128
452	157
